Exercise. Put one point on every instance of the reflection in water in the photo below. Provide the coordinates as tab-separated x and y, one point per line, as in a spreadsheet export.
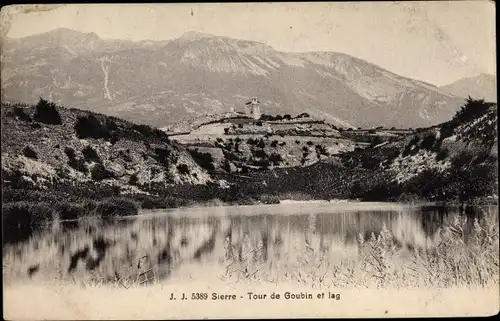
146	248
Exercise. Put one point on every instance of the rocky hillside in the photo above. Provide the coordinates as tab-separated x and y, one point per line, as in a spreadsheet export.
457	156
46	144
453	161
160	83
482	86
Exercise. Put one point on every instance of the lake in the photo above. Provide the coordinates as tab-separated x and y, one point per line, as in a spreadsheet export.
254	243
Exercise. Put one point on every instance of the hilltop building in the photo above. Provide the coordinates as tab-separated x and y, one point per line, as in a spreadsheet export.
252	108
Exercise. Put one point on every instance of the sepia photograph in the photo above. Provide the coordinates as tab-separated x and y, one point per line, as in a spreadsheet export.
249	160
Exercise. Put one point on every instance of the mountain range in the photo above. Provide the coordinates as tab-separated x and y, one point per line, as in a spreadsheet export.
482	86
163	82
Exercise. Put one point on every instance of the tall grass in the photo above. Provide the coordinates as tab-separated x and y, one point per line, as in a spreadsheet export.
457	259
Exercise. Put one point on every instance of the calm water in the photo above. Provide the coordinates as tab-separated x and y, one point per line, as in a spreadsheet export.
202	242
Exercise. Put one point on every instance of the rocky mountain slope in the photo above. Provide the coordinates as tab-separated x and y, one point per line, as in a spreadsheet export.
160	83
44	145
482	86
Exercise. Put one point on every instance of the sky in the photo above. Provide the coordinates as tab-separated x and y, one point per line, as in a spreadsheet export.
437	42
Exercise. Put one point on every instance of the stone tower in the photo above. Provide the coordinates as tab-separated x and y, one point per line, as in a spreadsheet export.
252	108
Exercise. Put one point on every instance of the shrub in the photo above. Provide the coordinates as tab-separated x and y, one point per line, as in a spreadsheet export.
151	202
428	141
46	112
461	160
183	169
90	154
446	130
309	143
90	127
26	214
78	164
471	109
297	142
99	172
70	152
275	158
321	150
133	179
21	114
442	154
258	123
75	163
115	206
162	155
29	152
274	143
204	160
69	211
259	153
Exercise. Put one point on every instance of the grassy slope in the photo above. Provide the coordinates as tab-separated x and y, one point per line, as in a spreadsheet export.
125	157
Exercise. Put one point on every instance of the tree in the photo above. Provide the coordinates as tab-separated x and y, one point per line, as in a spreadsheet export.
46	112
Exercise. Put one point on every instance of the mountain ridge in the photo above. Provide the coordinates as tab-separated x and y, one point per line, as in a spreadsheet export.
481	86
160	83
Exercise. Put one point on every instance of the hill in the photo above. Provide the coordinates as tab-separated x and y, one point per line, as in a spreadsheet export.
161	83
455	161
482	86
54	150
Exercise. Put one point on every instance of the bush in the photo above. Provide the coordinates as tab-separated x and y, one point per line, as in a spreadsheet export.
70	152
99	172
309	143
442	154
162	155
274	143
259	153
21	114
152	202
78	164
204	160
115	206
69	211
472	109
275	158
446	130
269	199
75	163
29	152
46	112
428	141
90	127
183	169
321	150
133	179
90	154
461	160
26	214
